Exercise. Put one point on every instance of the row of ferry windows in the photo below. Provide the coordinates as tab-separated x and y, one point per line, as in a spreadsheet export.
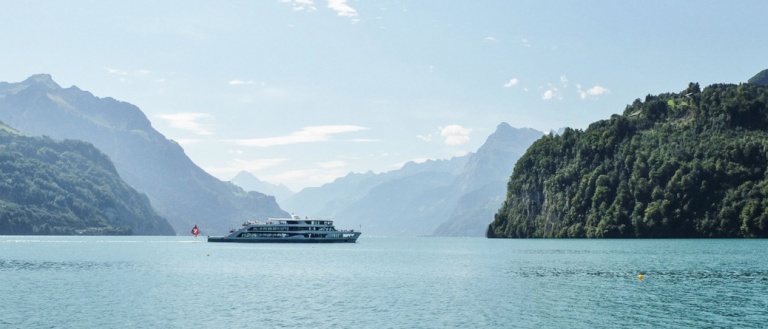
283	235
263	235
310	222
288	228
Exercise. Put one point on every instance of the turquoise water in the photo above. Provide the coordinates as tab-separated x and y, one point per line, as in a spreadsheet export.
184	282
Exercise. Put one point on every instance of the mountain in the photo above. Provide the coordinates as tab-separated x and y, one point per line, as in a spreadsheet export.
453	197
760	78
483	181
249	182
67	187
326	200
178	189
676	165
391	203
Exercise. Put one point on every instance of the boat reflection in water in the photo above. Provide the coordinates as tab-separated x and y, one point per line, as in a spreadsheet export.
289	230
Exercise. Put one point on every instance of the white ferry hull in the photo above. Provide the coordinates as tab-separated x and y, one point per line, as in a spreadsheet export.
288	230
351	239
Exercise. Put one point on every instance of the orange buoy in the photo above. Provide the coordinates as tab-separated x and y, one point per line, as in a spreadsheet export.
640	276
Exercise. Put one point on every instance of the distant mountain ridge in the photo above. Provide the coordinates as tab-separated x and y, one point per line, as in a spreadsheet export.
249	182
453	197
178	189
396	203
67	187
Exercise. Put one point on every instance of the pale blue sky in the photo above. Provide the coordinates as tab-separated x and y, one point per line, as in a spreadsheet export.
301	92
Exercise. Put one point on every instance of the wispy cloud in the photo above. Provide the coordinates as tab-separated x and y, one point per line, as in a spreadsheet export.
301	5
549	94
112	70
426	138
121	72
455	134
241	82
339	6
489	38
593	92
342	9
512	82
138	75
597	91
451	135
305	135
187	121
552	91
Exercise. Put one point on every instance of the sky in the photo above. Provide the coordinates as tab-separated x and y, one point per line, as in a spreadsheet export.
301	92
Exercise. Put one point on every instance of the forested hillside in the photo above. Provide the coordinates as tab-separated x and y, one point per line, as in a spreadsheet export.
178	189
67	187
688	164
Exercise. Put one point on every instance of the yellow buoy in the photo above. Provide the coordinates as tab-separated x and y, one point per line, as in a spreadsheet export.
640	276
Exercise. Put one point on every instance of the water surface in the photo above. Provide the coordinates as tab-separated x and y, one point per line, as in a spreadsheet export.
183	282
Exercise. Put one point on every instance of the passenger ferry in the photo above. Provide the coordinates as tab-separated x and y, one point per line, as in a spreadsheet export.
291	230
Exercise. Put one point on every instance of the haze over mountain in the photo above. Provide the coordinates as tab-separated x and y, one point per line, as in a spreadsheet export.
249	182
301	92
407	202
178	189
67	187
453	197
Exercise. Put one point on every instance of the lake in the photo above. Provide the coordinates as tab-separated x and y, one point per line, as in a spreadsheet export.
185	282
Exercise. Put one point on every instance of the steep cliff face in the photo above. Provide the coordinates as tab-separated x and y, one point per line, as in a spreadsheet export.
483	180
688	164
178	189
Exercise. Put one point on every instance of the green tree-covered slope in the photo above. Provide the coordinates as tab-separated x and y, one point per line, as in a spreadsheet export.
178	189
65	188
689	164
